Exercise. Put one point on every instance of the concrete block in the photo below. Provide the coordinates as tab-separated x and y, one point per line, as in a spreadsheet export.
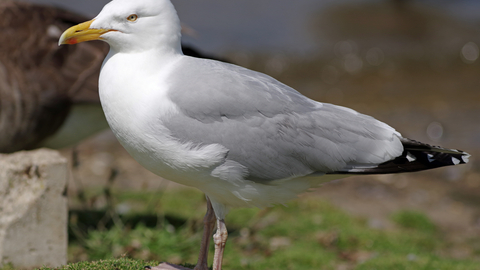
33	209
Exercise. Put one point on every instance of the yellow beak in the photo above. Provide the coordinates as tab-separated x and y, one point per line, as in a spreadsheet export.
80	33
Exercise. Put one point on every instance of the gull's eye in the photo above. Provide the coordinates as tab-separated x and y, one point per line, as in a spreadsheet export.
132	17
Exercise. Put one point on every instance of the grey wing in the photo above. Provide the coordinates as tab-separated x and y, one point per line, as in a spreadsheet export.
271	129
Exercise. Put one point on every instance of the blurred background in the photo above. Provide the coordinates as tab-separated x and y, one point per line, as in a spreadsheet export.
410	63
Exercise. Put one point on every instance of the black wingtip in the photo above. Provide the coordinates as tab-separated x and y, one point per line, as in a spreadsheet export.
416	156
436	156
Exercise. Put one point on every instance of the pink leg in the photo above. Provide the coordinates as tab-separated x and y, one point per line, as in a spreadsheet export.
220	238
208	223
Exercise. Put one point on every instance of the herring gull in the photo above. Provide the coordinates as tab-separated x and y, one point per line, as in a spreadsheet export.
240	136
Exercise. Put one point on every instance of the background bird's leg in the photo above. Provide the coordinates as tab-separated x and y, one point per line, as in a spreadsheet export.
208	223
220	238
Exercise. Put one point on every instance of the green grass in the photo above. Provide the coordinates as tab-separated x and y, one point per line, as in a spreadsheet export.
146	243
307	234
414	220
111	264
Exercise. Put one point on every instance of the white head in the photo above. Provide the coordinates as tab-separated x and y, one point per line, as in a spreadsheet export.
131	26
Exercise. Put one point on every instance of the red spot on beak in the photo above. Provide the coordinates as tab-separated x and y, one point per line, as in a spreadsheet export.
72	41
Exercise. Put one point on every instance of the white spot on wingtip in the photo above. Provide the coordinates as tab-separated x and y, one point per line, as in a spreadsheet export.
455	160
430	158
411	157
465	158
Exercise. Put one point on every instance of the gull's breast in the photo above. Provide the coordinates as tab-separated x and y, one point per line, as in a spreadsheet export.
135	105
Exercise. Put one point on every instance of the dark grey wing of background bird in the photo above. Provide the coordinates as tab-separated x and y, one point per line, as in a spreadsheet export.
48	94
40	81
